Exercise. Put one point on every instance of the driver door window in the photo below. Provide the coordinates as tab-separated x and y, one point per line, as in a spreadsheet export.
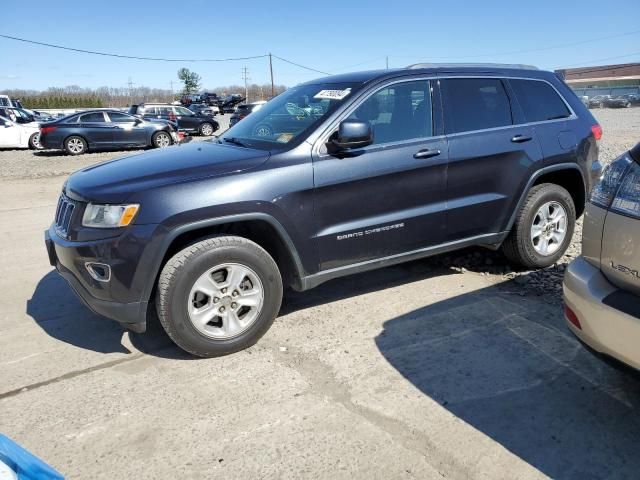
398	112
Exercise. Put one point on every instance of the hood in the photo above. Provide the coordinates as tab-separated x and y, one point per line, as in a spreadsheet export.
116	180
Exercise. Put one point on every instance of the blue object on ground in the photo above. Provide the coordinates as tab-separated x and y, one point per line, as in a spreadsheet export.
24	464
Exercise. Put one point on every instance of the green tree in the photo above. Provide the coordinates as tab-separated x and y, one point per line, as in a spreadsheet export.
190	79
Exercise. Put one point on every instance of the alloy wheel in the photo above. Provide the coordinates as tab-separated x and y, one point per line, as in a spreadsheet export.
225	301
549	228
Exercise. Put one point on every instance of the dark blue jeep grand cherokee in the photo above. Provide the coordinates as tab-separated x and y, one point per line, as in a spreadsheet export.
335	176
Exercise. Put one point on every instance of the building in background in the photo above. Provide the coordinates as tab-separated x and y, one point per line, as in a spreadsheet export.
603	80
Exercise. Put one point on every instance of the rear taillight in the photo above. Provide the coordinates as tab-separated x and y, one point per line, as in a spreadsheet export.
572	317
627	198
46	130
604	191
597	131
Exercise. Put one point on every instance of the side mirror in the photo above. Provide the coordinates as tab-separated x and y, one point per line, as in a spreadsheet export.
352	134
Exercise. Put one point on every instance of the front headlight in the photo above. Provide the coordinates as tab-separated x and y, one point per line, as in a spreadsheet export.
109	216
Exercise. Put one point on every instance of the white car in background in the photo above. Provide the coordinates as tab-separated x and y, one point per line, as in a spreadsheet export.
17	135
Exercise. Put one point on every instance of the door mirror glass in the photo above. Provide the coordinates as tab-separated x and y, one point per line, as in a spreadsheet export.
352	134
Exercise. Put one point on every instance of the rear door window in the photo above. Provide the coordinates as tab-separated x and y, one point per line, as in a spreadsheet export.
121	118
95	117
474	104
539	100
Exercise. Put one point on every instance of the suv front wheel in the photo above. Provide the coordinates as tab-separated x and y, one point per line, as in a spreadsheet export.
219	295
543	229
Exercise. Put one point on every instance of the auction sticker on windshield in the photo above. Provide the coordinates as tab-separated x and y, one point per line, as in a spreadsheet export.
333	94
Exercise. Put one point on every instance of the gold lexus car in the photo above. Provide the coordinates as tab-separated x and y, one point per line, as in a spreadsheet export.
602	287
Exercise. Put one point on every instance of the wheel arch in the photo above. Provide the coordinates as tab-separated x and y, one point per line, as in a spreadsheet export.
260	228
567	175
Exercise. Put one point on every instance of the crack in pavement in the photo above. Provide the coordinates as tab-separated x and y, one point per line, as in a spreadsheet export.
323	382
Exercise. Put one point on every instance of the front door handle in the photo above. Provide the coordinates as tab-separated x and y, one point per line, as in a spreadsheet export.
426	153
520	139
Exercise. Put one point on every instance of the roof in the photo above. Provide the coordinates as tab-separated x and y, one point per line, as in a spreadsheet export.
431	68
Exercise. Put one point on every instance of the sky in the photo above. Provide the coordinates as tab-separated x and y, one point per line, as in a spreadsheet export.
329	36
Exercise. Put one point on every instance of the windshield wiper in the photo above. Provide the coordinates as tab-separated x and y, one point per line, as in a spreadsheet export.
235	141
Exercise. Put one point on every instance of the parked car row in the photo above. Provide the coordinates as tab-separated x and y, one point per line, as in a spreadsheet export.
226	104
618	101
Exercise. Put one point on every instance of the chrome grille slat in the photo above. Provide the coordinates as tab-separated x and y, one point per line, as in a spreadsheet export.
64	215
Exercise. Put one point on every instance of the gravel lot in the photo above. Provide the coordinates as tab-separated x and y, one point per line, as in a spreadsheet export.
448	367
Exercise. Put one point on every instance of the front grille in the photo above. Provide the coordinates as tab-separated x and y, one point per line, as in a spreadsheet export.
64	215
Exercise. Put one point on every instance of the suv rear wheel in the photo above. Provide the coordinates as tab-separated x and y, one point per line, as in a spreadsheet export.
219	295
543	229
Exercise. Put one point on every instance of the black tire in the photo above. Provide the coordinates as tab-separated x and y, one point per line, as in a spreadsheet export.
207	127
158	139
518	246
181	272
75	145
34	141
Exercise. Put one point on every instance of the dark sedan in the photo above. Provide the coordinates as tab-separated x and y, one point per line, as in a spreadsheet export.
622	101
98	129
598	101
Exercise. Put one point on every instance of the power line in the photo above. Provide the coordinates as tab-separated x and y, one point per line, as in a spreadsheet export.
301	66
514	52
598	60
116	55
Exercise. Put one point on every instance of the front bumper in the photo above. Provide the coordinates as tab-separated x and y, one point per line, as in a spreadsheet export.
121	298
605	328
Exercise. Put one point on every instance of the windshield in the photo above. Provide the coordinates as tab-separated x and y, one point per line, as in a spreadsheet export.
289	116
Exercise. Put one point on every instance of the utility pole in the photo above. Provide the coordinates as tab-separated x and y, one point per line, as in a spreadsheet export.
130	83
387	62
273	90
245	77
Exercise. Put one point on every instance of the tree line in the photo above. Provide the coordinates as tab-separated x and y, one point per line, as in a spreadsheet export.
74	96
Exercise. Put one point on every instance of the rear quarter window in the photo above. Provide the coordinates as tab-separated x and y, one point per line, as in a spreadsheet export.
475	104
539	100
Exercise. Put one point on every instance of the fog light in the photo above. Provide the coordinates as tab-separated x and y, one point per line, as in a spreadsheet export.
99	271
572	317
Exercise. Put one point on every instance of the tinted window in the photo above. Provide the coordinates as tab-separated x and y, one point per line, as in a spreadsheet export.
474	104
92	117
165	111
539	100
121	117
183	111
147	110
399	112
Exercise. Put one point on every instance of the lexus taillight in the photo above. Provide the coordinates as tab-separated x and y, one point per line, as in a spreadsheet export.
619	187
597	131
45	130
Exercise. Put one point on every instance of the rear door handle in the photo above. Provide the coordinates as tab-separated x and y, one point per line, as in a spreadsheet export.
520	139
426	153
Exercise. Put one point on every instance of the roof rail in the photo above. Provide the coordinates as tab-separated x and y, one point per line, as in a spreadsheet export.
472	65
